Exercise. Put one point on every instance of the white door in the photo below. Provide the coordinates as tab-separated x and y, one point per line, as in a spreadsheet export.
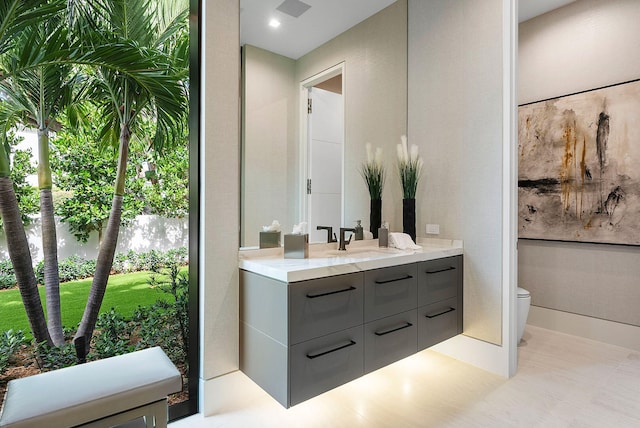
325	162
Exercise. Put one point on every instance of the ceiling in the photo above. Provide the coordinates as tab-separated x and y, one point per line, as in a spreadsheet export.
297	36
326	19
528	9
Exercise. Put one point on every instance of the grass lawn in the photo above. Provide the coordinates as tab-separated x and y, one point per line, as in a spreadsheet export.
125	292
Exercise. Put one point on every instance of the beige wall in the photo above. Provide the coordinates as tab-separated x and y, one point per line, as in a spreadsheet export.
456	118
219	196
584	45
270	145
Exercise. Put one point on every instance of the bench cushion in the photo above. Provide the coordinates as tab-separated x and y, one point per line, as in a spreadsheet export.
82	393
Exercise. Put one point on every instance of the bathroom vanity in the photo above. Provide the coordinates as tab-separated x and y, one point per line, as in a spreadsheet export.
310	325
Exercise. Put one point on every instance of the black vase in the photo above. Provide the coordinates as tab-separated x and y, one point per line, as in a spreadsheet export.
375	217
409	217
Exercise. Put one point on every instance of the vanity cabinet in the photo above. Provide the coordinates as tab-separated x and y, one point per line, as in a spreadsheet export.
302	338
439	300
324	363
390	330
325	334
389	339
324	305
389	291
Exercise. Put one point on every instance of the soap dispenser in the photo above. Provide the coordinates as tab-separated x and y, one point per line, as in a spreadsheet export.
359	233
383	235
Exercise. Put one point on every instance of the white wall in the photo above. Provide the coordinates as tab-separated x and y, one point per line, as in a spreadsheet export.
584	45
147	232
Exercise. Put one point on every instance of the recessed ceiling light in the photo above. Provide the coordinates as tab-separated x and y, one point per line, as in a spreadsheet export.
274	23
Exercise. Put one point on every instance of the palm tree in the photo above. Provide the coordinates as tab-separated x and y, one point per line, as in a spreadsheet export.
133	76
124	100
15	17
35	98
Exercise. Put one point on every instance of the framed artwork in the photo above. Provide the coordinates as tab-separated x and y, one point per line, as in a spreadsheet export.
579	167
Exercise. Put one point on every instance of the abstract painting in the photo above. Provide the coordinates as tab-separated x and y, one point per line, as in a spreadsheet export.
579	167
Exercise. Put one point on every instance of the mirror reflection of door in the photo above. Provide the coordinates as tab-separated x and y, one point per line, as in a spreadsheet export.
325	154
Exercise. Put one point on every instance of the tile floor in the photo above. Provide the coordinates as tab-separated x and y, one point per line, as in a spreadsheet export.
562	381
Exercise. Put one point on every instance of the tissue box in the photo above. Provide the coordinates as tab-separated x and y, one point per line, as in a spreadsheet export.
269	239
296	246
383	237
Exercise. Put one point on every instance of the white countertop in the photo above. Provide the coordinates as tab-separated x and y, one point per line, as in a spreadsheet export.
325	260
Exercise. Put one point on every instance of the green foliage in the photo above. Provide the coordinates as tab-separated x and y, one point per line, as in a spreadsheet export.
7	275
87	171
75	267
10	342
152	260
70	269
112	337
167	190
21	168
51	357
166	323
409	168
373	172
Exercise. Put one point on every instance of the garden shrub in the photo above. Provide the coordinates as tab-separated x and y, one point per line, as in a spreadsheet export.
75	267
10	342
112	336
166	323
7	275
126	262
55	357
70	269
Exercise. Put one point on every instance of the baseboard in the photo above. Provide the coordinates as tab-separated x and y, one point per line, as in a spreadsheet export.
486	356
614	333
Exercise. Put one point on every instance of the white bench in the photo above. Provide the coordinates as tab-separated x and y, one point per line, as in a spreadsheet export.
101	393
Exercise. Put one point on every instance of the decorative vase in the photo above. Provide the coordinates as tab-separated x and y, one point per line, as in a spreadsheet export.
375	217
409	217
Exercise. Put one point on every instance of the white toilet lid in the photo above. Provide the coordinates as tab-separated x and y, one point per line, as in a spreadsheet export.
522	292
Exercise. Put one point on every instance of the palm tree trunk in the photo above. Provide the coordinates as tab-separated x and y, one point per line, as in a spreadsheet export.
20	256
51	272
107	249
49	242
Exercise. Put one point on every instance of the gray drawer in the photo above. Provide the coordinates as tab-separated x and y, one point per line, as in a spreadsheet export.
324	363
389	291
325	305
438	279
389	339
437	322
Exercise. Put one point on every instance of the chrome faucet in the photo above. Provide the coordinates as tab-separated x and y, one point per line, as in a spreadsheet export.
331	237
343	244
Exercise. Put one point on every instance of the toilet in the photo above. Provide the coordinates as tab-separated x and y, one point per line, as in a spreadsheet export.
524	301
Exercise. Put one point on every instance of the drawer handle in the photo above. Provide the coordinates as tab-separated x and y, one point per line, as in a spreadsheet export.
402	327
437	314
440	270
386	281
329	293
346	345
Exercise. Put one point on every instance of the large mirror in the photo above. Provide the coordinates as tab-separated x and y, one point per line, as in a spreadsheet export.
301	169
